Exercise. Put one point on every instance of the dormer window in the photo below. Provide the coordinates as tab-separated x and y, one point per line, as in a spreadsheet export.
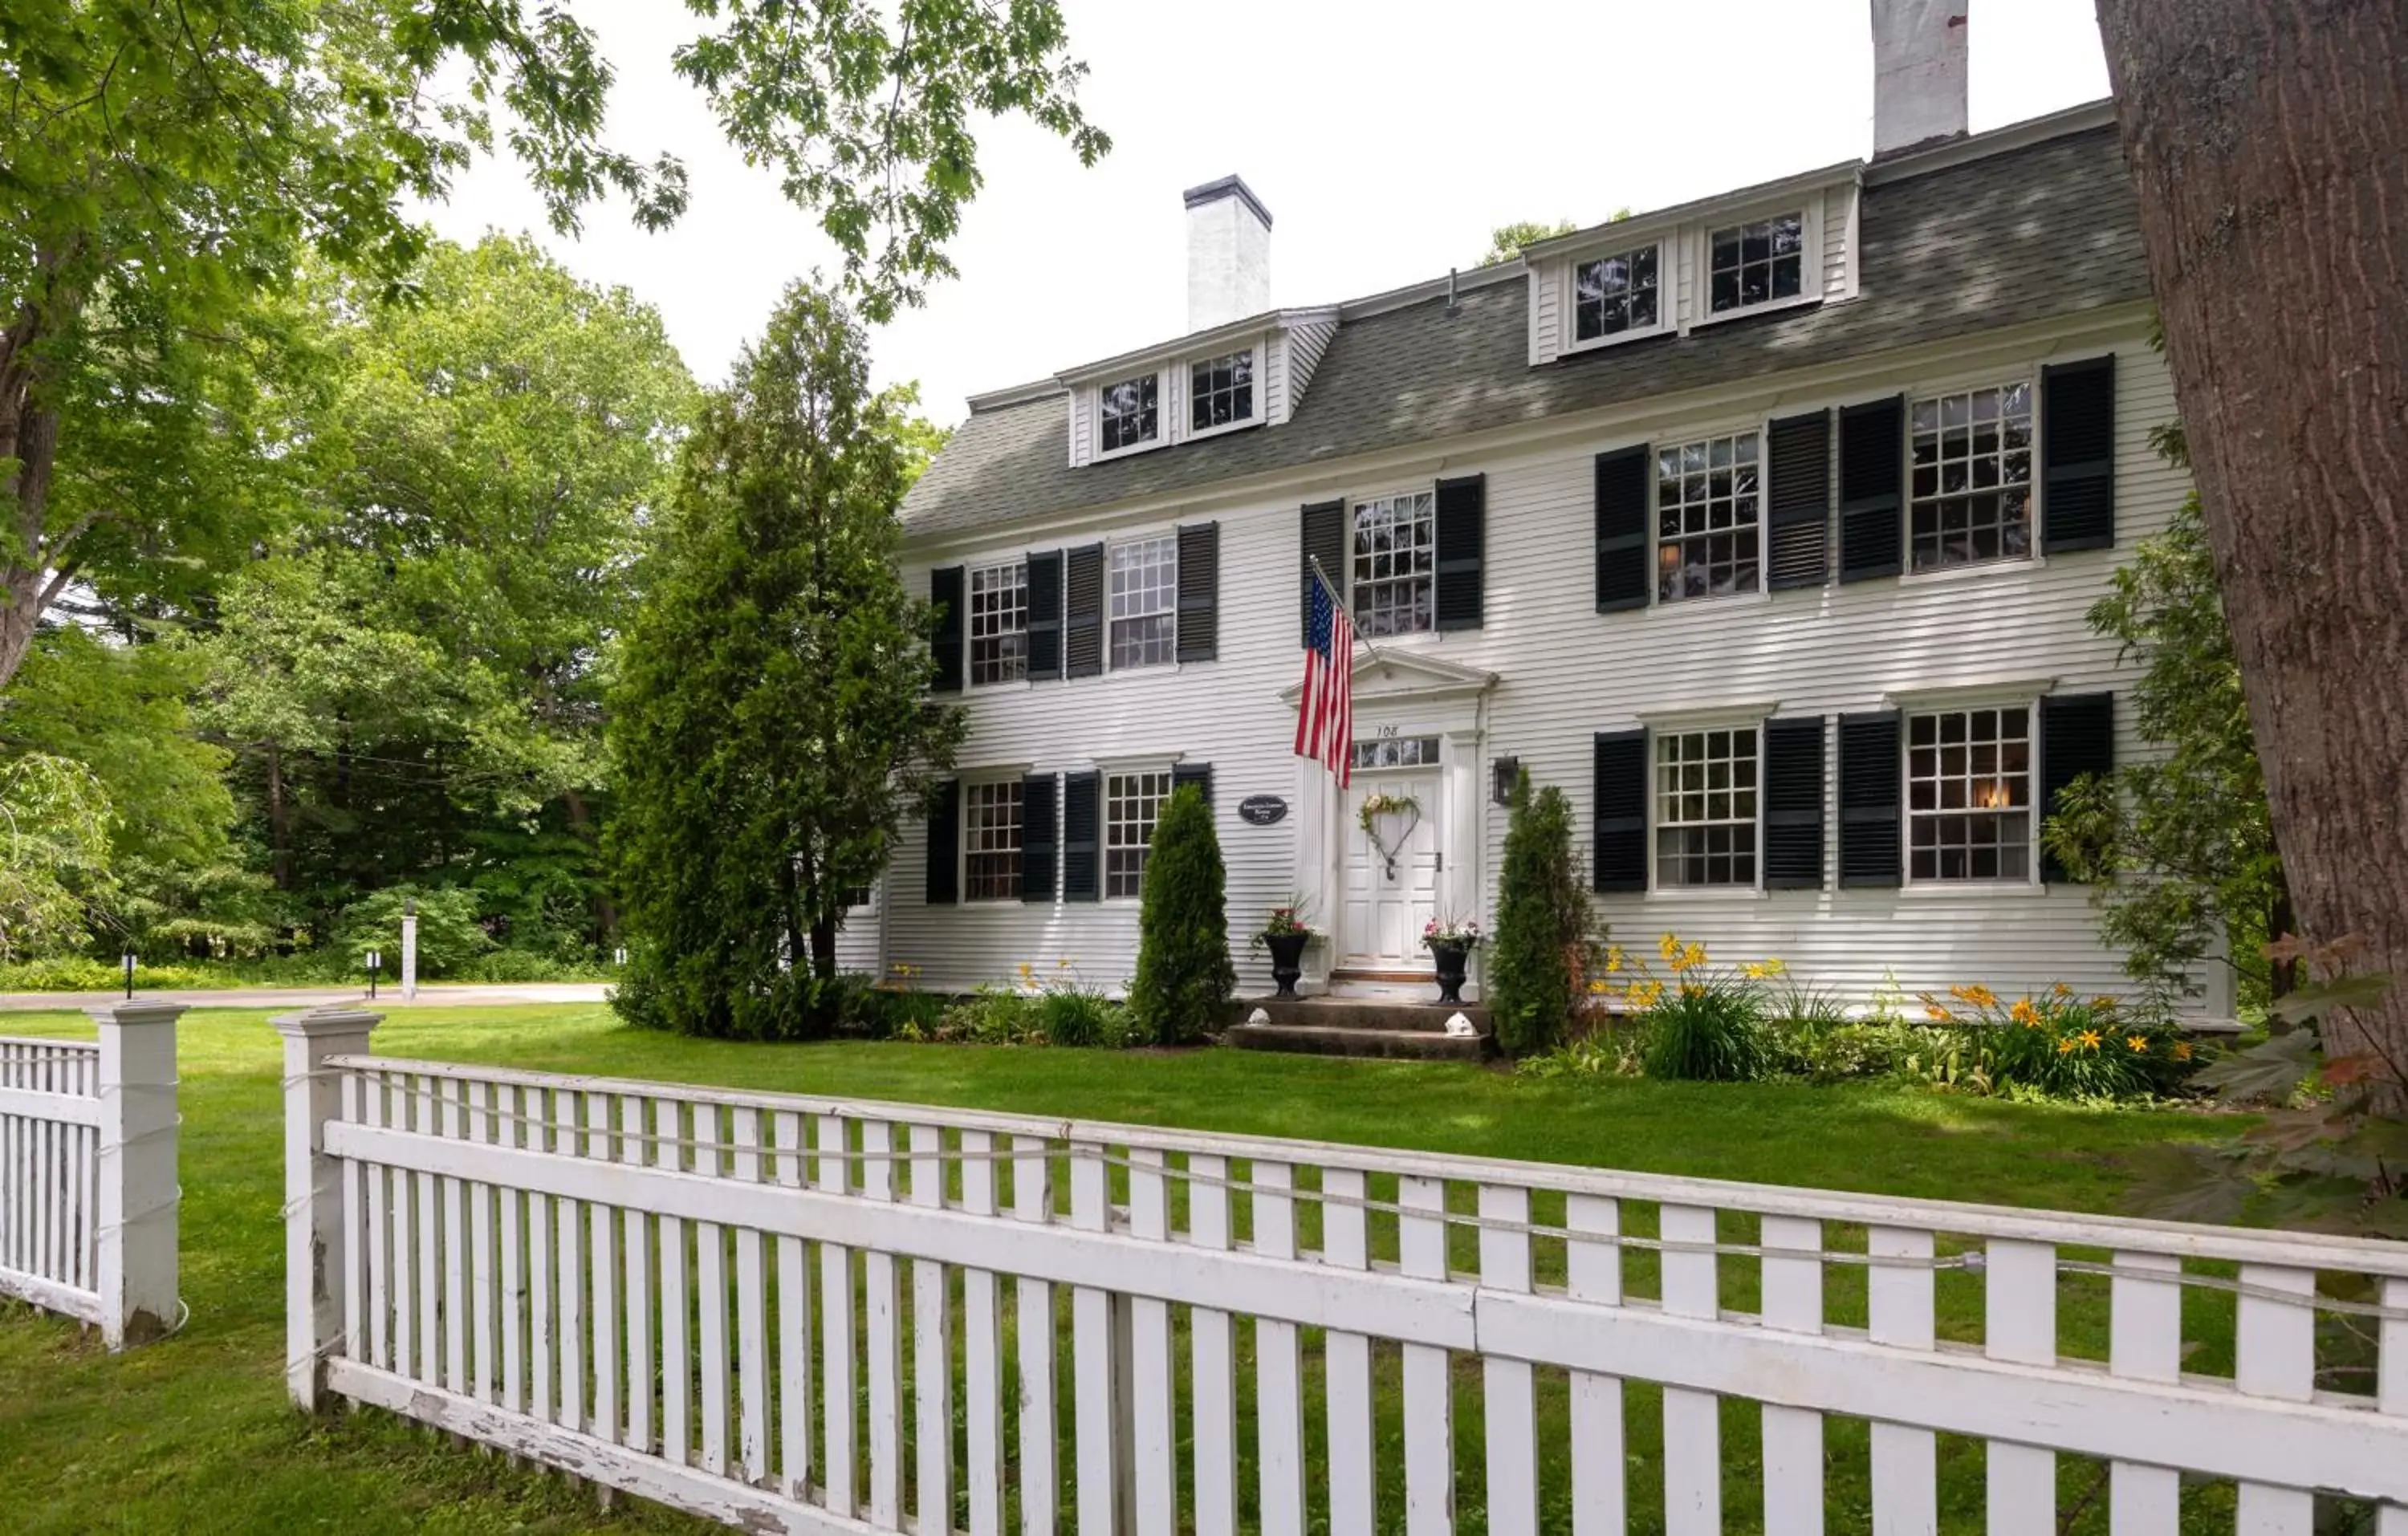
1616	294
1128	412
1221	391
1758	263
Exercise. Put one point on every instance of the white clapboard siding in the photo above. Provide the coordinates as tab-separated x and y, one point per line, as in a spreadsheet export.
1566	672
729	1188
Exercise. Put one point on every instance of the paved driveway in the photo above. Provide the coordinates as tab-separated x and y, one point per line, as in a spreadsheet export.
460	995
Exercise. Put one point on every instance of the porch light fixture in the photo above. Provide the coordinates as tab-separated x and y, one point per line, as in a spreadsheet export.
1505	771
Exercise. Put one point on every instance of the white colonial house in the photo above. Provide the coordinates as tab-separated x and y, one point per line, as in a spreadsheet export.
1764	526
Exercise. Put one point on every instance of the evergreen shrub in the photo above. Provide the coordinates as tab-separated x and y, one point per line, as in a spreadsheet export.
1184	979
1544	925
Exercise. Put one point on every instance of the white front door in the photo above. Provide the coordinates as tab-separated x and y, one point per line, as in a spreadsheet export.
1388	900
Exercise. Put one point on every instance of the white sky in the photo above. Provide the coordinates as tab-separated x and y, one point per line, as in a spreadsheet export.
1387	139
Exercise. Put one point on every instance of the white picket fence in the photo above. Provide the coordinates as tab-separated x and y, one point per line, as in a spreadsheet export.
87	1192
808	1315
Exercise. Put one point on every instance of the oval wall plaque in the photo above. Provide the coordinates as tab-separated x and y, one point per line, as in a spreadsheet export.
1262	810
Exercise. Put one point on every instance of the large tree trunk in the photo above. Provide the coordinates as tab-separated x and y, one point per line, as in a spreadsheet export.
279	821
581	822
41	562
2268	141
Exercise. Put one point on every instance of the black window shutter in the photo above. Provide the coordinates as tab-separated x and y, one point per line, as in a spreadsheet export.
1199	591
1037	838
945	844
1619	791
1325	539
1083	621
945	592
1081	870
1198	775
1869	799
2077	736
1462	535
1872	470
1800	500
2077	438
1622	495
1793	804
1045	614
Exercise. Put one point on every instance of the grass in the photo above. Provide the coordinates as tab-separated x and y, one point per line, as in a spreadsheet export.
193	1434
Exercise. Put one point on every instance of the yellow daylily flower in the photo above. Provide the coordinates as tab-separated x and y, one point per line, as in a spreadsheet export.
2065	1046
1671	946
2136	1042
2089	1039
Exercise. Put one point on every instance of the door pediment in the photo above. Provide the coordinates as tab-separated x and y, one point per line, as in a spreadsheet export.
1407	676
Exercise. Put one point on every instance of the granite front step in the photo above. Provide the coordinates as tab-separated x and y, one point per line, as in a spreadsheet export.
1361	1013
1321	1041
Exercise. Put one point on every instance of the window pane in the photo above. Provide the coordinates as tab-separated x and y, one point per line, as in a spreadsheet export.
1221	391
1706	519
1756	263
1969	787
998	623
991	842
1613	294
1127	411
1705	834
1396	551
1965	448
1131	802
1144	602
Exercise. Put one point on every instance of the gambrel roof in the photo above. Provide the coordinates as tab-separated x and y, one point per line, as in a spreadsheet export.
1980	239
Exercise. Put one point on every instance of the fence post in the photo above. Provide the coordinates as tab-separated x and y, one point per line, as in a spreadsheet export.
136	1172
315	1222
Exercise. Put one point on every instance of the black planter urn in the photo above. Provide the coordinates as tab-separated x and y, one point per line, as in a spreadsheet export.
1287	959
1451	959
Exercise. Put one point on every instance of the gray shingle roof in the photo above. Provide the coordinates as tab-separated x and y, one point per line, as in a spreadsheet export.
2022	234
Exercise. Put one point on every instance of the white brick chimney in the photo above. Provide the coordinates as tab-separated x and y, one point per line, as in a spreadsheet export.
1228	253
1918	73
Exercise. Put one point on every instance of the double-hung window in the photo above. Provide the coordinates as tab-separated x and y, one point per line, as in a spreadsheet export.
1969	794
1131	803
998	626
991	826
1617	294
1763	262
1128	414
1221	391
1970	499
1705	807
1708	518
1145	601
1395	555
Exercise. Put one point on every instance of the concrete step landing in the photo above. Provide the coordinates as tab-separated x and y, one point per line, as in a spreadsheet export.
1345	1027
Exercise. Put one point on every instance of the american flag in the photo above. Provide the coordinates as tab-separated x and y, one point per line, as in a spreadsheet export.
1324	716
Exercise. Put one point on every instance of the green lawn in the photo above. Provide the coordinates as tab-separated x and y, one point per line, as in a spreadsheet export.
192	1434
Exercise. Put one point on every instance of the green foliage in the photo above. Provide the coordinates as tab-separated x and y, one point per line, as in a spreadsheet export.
771	722
54	817
2180	845
867	120
448	936
1544	925
1078	1018
1183	975
1711	1030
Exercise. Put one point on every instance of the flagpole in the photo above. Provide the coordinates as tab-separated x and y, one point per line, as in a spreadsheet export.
1337	600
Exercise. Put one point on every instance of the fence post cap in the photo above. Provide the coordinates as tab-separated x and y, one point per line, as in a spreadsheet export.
326	1019
124	1012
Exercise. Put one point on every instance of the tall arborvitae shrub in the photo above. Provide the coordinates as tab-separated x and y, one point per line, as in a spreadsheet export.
1542	920
1184	974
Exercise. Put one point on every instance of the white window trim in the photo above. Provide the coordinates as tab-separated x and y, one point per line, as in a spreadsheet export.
1956	701
1762	427
1668	294
1170	536
1699	242
1260	347
2032	558
970	574
981	778
1164	405
1657	726
1105	771
1354	616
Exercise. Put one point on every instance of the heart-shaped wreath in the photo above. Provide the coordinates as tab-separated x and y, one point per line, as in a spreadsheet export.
1396	814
